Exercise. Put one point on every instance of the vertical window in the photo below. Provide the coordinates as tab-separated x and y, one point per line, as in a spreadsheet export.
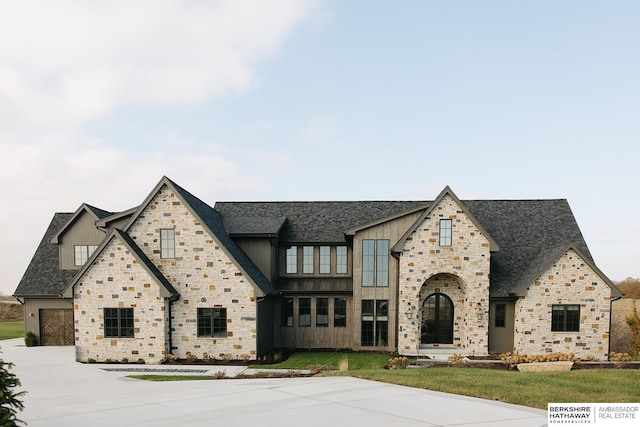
325	260
292	260
83	253
118	322
167	243
368	262
340	312
307	259
212	322
304	312
382	323
322	311
445	232
382	263
565	318
375	263
287	312
341	260
366	326
500	316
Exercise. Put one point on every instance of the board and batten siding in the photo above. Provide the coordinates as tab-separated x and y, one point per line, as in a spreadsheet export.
32	307
82	232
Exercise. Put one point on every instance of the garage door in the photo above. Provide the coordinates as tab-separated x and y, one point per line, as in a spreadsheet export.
56	326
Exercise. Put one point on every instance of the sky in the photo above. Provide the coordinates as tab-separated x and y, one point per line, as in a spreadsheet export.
320	100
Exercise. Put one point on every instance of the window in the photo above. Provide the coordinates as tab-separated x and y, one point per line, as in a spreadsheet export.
304	312
445	232
375	263
374	329
287	312
500	320
500	316
118	322
366	327
212	322
167	243
322	311
565	318
307	259
292	260
341	260
340	312
83	253
325	260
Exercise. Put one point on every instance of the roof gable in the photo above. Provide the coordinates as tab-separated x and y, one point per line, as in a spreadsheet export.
166	289
96	213
212	222
398	247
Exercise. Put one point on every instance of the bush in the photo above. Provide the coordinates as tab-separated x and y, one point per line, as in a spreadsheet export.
30	339
399	362
458	360
511	360
10	402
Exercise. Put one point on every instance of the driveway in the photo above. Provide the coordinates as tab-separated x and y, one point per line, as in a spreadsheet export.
61	392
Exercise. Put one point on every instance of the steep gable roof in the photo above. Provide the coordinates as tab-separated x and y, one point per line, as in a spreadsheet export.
213	223
43	276
166	289
96	213
117	216
493	246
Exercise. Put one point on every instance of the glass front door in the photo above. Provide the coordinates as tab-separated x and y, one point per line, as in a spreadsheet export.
437	320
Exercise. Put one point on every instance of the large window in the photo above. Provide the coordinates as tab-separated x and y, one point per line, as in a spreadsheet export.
212	322
304	312
325	260
167	243
374	328
445	232
340	312
375	262
292	260
565	318
287	312
307	259
83	253
118	322
341	260
322	311
500	320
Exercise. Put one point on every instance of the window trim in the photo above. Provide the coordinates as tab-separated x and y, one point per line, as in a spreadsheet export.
291	260
122	315
87	251
307	322
322	312
324	266
375	263
566	322
446	232
218	330
340	322
342	257
167	243
308	254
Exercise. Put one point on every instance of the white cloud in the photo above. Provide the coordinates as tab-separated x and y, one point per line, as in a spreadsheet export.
65	63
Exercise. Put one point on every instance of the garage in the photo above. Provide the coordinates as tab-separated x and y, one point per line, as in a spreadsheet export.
56	326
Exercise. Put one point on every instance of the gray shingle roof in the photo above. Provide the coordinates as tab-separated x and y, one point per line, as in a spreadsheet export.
527	231
43	276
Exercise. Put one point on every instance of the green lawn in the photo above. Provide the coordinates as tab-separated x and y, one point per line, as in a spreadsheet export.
11	330
529	389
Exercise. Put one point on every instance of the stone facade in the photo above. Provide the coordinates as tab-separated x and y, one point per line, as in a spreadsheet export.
423	262
117	280
568	281
204	276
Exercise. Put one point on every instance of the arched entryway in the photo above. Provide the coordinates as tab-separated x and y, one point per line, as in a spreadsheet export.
437	320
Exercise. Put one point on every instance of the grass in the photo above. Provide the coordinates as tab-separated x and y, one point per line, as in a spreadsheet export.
529	389
10	330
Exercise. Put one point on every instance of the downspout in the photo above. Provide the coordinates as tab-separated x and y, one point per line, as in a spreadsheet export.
397	340
172	299
610	323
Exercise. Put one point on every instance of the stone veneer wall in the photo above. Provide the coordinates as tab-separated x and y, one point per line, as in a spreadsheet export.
204	276
568	281
117	280
468	258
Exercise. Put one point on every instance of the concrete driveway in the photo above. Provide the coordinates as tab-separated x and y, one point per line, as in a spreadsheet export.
61	392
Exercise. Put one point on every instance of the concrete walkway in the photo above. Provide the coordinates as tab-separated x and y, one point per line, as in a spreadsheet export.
61	392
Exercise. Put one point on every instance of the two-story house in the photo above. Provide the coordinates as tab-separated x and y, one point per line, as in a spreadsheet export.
178	276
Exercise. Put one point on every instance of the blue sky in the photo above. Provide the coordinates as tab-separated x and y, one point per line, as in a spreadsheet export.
321	100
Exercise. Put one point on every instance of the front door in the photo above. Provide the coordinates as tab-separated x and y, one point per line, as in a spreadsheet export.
437	320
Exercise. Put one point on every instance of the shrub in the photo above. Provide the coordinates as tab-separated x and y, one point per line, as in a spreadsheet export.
10	401
619	359
30	339
191	358
220	374
633	320
316	369
91	360
343	365
399	362
458	360
124	360
511	360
